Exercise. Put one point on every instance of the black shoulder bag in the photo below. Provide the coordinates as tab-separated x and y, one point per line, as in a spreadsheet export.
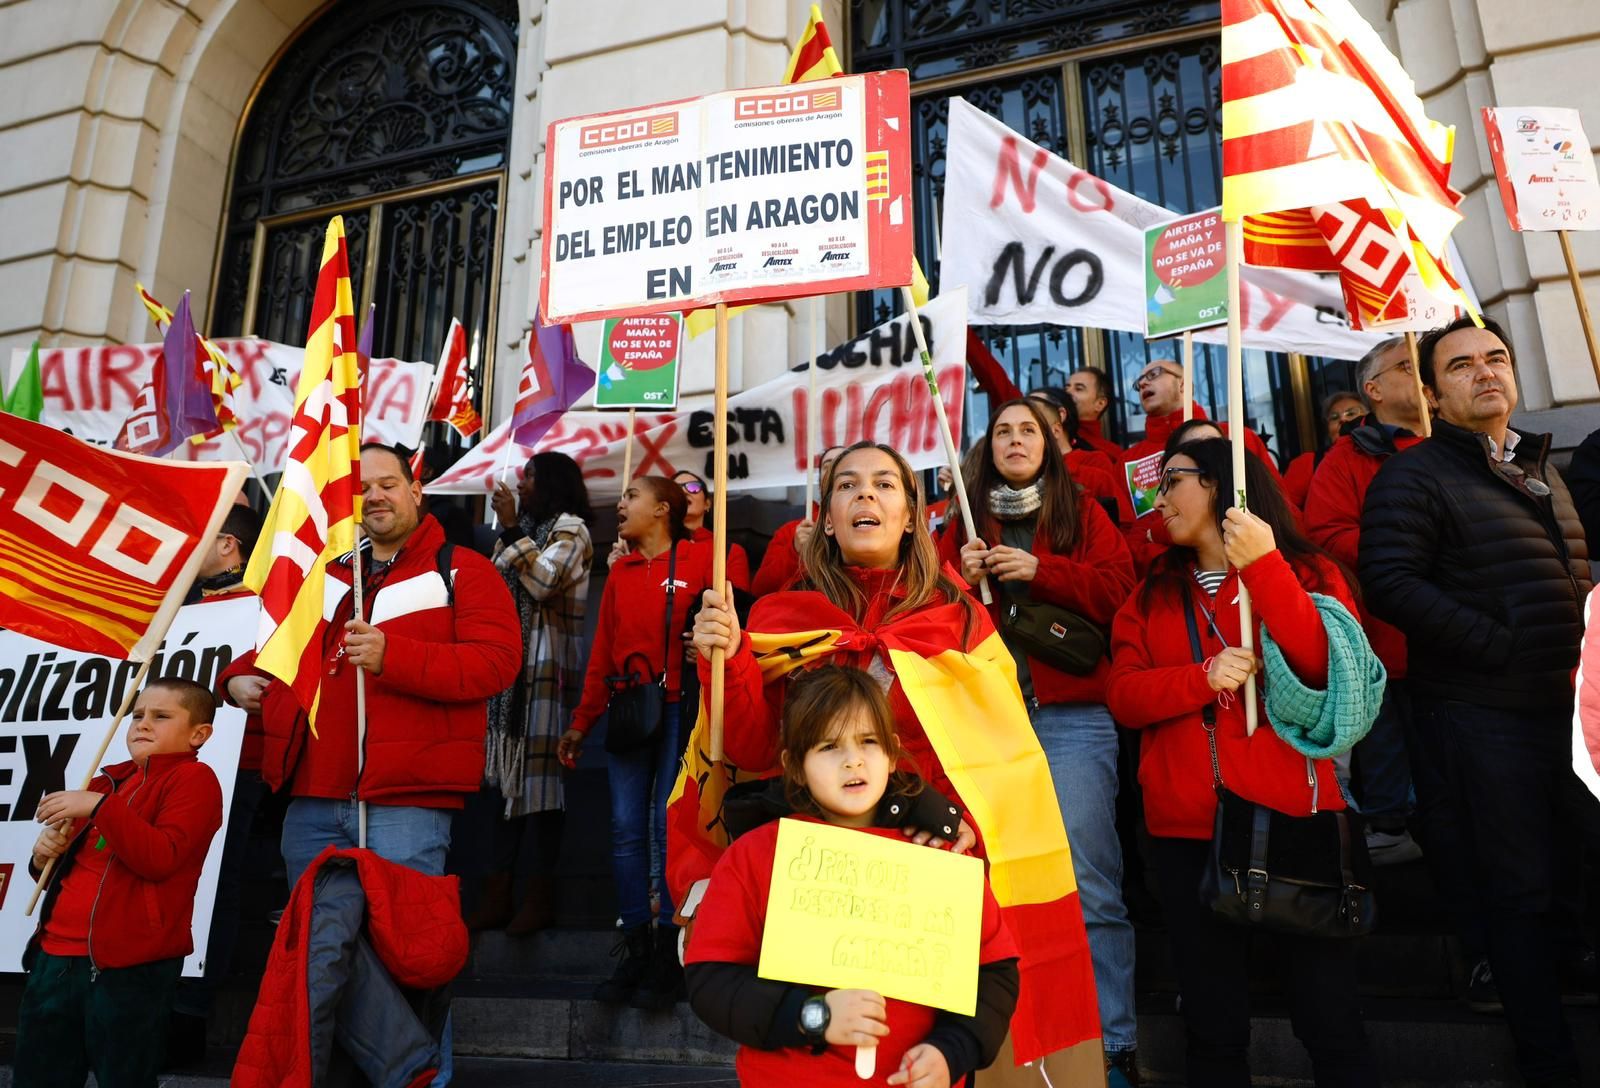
1272	871
639	700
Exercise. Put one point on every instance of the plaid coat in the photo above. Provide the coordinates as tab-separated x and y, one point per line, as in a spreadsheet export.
551	587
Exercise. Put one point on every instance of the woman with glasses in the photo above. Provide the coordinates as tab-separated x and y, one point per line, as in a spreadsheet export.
1340	409
1183	699
1044	545
699	494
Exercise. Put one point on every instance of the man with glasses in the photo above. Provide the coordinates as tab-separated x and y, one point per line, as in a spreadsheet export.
1159	388
1471	546
1091	395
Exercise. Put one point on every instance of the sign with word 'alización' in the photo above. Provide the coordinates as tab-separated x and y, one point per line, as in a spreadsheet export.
871	389
1185	287
854	911
56	705
639	359
1545	168
741	196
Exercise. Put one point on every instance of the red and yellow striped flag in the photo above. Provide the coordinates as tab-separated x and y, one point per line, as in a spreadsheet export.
318	505
1328	158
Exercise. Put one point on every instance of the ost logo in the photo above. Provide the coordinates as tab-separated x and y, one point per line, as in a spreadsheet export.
777	261
835	255
785	104
724	266
611	133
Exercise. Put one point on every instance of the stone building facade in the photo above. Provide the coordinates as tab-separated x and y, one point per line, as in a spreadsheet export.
144	140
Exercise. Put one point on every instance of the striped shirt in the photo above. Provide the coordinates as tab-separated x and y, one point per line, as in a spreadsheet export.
1210	580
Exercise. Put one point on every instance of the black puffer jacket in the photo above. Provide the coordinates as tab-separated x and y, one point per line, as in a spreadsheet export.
1484	570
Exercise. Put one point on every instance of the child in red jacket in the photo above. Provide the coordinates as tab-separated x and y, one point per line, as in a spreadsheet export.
115	928
838	756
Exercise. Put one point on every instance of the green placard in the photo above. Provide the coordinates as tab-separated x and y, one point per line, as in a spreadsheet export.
1184	282
639	362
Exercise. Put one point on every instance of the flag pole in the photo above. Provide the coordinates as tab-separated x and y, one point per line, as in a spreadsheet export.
1236	428
950	450
1188	375
1583	303
627	453
1416	378
361	700
812	415
94	764
719	514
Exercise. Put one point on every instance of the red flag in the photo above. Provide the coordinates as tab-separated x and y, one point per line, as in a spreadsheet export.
453	404
97	547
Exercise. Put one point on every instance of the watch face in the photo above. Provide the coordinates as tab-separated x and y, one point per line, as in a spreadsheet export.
813	1016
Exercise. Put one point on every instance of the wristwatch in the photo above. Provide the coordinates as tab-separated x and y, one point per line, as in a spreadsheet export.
814	1017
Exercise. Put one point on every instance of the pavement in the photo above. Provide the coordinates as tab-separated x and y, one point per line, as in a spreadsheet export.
504	1073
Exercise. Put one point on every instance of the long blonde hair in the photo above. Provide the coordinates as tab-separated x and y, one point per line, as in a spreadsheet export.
921	572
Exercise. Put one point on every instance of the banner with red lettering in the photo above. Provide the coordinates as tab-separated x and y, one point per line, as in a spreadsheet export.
1036	239
91	391
871	388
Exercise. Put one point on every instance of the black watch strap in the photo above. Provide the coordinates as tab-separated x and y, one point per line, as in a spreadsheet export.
817	1038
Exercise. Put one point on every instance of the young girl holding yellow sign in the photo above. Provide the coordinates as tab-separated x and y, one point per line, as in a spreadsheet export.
839	754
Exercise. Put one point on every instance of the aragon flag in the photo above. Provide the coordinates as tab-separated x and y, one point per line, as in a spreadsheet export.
314	515
971	710
1328	158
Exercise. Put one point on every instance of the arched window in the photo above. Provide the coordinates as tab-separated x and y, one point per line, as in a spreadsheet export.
395	114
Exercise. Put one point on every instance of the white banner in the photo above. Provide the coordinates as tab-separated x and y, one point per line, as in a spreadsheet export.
1036	239
738	196
90	392
1544	166
871	389
55	706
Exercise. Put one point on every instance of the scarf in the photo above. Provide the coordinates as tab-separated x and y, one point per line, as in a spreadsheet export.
1015	503
508	711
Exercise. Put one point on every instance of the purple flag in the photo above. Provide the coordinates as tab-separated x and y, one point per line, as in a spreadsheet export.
552	381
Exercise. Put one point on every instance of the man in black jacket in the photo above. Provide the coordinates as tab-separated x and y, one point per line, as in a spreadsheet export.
1470	545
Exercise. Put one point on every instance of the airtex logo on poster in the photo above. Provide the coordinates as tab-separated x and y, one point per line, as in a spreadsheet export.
609	133
752	107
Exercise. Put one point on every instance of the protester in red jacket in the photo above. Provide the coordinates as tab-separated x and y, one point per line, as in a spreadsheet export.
634	635
780	565
1044	545
1160	685
1091	395
116	924
1339	409
698	492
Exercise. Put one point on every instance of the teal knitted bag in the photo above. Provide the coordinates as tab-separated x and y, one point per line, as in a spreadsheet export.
1324	724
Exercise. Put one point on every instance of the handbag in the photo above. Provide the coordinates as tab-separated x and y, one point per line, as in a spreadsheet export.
1057	636
638	702
1302	875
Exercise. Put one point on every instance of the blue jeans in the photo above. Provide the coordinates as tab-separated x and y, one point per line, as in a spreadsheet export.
641	782
418	838
1080	741
1384	770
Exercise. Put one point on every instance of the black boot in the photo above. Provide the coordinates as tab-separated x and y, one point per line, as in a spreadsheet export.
663	986
633	945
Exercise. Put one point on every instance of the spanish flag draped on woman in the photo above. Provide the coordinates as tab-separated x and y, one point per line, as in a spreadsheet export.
875	597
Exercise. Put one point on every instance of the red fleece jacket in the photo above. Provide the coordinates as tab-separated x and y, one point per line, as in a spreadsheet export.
1099	477
157	822
781	563
1093	434
1333	521
1156	686
738	561
631	620
1093	580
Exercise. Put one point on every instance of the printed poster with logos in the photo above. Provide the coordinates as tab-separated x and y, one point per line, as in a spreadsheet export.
1544	166
639	359
853	910
1183	275
55	706
1144	482
741	196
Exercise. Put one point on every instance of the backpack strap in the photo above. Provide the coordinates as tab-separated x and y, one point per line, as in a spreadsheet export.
446	553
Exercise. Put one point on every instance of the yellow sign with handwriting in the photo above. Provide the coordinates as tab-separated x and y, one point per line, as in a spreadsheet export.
854	911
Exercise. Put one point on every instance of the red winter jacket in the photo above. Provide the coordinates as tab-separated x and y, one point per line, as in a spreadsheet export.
1155	685
1093	434
1147	536
738	562
1098	476
1297	481
1093	581
632	619
426	713
1333	521
781	563
157	821
413	924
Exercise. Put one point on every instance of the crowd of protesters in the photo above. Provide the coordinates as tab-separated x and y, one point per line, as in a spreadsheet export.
1458	561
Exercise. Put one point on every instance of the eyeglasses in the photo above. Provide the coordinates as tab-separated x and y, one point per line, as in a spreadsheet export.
1152	374
1355	412
1403	366
1169	476
692	487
